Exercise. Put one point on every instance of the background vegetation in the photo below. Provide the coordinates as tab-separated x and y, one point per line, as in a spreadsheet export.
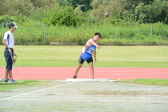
74	21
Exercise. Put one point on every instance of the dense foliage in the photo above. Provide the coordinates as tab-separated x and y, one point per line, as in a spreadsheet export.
135	19
141	11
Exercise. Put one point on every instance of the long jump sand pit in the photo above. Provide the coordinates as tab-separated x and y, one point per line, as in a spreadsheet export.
63	96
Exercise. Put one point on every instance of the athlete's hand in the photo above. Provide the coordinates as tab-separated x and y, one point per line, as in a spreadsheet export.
98	47
95	59
9	50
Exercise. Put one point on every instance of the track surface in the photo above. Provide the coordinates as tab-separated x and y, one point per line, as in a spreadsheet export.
100	72
61	96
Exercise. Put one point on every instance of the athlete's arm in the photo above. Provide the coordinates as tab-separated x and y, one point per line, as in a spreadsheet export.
4	43
95	56
94	43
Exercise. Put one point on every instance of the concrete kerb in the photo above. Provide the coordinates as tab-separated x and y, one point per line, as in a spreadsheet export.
87	80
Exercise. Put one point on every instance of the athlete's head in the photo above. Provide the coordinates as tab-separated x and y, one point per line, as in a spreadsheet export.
97	37
12	26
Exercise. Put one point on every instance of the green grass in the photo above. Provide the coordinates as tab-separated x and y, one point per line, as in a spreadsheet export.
107	56
24	83
111	34
161	82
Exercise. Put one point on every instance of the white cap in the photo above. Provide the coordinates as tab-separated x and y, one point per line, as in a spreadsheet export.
13	24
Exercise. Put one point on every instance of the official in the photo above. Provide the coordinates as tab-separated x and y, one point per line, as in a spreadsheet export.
8	42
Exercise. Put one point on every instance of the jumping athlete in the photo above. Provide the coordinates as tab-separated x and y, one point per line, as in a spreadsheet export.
8	42
86	55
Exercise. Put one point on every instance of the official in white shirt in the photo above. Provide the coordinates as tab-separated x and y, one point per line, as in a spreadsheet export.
8	42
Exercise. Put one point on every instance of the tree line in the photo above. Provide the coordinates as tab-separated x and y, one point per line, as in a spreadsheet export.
78	12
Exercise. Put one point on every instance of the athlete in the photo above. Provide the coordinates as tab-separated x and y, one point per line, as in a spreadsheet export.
86	54
8	42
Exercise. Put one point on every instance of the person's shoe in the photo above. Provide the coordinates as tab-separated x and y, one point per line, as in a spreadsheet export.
11	81
5	80
74	77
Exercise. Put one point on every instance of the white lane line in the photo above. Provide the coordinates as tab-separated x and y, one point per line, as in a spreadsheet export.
87	100
76	95
52	97
109	90
34	91
124	89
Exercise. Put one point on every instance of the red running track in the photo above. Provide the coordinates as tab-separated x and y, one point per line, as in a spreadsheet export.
100	72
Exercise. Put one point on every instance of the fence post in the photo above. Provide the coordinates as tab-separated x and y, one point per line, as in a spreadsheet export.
2	30
44	33
82	34
117	33
151	33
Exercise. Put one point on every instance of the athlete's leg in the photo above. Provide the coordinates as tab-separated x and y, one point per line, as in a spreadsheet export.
6	74
78	68
90	62
10	74
80	63
91	69
9	63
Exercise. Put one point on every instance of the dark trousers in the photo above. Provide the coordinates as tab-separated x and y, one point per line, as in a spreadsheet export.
9	59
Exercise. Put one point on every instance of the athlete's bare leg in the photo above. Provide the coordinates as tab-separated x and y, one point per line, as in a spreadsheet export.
91	69
78	68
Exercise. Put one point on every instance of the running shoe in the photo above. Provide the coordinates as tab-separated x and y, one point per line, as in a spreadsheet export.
74	77
5	80
11	81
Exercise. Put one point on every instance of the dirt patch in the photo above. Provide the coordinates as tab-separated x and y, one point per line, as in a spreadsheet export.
126	92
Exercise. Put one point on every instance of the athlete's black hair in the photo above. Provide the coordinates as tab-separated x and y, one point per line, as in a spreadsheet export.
11	25
98	34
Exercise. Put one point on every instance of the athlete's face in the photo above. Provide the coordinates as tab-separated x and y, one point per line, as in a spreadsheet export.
13	29
96	38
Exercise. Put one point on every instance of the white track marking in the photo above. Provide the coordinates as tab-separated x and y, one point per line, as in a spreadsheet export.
35	95
125	89
87	80
109	90
86	100
57	97
34	91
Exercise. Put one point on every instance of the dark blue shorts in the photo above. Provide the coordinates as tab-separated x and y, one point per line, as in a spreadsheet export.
81	61
8	58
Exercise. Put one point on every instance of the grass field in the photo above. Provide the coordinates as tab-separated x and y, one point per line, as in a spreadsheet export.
161	82
17	84
107	56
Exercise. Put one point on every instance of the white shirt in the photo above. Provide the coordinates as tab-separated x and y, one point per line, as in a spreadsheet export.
9	39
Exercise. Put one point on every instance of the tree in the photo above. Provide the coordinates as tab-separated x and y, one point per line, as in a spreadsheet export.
100	8
76	3
15	7
63	16
45	4
156	11
141	11
63	3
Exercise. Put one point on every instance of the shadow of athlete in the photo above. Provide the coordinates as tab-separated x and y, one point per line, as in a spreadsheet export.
86	54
